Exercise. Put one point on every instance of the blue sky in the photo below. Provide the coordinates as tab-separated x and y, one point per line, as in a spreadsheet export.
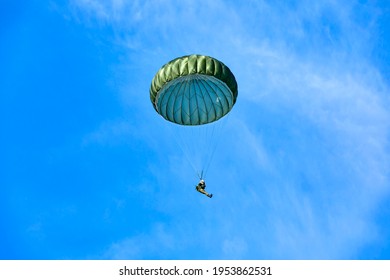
90	171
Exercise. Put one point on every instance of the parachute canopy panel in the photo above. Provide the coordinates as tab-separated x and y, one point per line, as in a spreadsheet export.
193	90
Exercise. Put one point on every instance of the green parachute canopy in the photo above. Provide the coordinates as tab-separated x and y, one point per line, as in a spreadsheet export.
193	90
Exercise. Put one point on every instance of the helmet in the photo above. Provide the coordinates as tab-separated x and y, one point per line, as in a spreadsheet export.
201	181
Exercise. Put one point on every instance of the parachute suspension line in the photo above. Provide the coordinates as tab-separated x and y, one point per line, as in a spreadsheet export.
184	151
214	148
211	150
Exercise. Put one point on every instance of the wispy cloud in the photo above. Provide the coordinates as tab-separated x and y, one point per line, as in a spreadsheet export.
155	243
111	132
308	163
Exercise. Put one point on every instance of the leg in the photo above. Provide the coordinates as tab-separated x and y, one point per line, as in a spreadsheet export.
201	190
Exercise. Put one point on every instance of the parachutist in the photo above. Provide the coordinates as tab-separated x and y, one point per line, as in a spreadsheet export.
201	188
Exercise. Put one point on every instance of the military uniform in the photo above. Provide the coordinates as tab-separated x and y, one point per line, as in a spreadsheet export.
201	188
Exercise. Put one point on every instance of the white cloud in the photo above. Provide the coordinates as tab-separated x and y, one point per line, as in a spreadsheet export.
235	247
111	132
308	163
154	245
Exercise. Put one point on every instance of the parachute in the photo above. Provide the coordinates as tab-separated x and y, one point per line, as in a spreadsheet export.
194	91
